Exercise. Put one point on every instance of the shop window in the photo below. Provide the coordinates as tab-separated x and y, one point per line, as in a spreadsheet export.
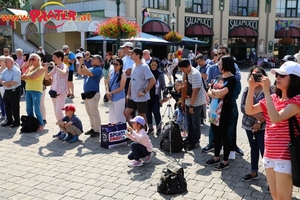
247	8
157	4
198	6
287	8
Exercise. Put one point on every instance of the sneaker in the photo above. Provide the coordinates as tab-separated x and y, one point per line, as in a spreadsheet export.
212	162
62	136
208	148
239	151
231	155
68	137
191	146
45	121
89	132
249	177
95	134
135	163
74	139
221	166
57	134
2	118
150	130
147	158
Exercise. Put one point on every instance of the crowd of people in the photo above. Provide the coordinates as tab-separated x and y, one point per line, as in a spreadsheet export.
135	85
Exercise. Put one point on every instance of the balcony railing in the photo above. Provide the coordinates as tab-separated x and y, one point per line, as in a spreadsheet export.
109	7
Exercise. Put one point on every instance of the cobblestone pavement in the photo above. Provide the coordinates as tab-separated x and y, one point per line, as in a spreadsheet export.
45	168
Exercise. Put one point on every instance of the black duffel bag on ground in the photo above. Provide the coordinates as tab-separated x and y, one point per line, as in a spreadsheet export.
29	124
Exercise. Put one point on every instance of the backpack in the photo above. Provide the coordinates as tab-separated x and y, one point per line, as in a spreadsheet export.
176	139
29	124
172	180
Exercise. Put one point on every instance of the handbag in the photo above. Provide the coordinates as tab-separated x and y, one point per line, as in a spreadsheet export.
29	124
105	99
53	93
113	135
47	82
294	147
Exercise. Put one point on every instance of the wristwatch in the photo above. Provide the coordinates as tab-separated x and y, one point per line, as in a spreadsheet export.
190	106
144	92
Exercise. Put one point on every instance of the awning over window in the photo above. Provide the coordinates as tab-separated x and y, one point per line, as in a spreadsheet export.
243	32
156	26
13	11
197	30
292	32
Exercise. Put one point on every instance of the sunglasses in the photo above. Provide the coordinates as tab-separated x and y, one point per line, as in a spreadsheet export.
116	64
223	53
216	55
32	59
6	51
281	76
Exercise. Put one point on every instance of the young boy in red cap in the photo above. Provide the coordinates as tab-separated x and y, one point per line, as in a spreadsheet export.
70	124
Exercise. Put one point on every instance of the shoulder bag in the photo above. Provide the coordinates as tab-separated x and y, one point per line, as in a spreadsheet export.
294	147
105	99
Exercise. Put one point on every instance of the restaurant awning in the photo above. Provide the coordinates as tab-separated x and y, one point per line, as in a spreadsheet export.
243	31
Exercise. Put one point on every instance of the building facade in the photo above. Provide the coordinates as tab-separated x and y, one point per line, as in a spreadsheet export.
250	28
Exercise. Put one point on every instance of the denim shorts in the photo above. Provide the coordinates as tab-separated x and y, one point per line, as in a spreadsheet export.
280	166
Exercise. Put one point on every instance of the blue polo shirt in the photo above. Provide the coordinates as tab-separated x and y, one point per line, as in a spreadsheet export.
71	57
91	83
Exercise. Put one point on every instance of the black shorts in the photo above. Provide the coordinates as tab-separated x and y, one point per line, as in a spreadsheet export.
70	77
141	107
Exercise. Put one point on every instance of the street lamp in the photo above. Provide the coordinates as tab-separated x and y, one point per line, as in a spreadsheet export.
118	2
286	28
173	22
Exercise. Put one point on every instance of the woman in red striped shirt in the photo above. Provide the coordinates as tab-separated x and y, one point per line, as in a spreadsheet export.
277	109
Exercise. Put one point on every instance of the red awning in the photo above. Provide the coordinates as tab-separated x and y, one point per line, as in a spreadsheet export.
156	26
292	32
197	29
243	31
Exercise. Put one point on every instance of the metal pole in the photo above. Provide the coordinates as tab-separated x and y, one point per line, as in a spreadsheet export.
118	14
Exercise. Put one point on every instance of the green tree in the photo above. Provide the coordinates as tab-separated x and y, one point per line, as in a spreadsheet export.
12	3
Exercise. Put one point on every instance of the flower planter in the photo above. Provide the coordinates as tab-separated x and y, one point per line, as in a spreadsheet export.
118	27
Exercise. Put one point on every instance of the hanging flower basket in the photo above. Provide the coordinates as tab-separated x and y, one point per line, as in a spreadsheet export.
286	41
173	36
118	27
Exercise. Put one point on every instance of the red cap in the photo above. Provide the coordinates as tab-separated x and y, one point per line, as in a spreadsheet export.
69	108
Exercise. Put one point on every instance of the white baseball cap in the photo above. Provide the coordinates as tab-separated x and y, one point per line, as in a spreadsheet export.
78	55
297	56
139	120
127	44
287	68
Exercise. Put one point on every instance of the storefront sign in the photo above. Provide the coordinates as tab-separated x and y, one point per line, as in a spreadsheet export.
189	21
248	23
155	15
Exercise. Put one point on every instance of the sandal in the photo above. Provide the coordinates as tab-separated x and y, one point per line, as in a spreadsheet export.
40	129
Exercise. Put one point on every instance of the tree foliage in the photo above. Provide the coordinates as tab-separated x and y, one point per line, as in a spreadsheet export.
12	3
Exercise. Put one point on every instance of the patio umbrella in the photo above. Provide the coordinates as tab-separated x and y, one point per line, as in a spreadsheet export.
147	38
100	38
188	41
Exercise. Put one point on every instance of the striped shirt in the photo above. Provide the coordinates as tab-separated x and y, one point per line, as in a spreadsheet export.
277	135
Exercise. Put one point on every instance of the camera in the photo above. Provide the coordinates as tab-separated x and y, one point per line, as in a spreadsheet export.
168	89
257	77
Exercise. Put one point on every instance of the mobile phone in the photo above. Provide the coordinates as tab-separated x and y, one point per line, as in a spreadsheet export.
257	77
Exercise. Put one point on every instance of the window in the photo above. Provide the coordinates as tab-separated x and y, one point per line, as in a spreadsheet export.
287	8
198	6
157	4
247	8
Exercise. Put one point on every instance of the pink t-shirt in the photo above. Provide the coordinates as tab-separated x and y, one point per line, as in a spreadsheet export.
143	139
277	135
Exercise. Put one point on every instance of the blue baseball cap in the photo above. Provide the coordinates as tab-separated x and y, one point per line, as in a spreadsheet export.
139	120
